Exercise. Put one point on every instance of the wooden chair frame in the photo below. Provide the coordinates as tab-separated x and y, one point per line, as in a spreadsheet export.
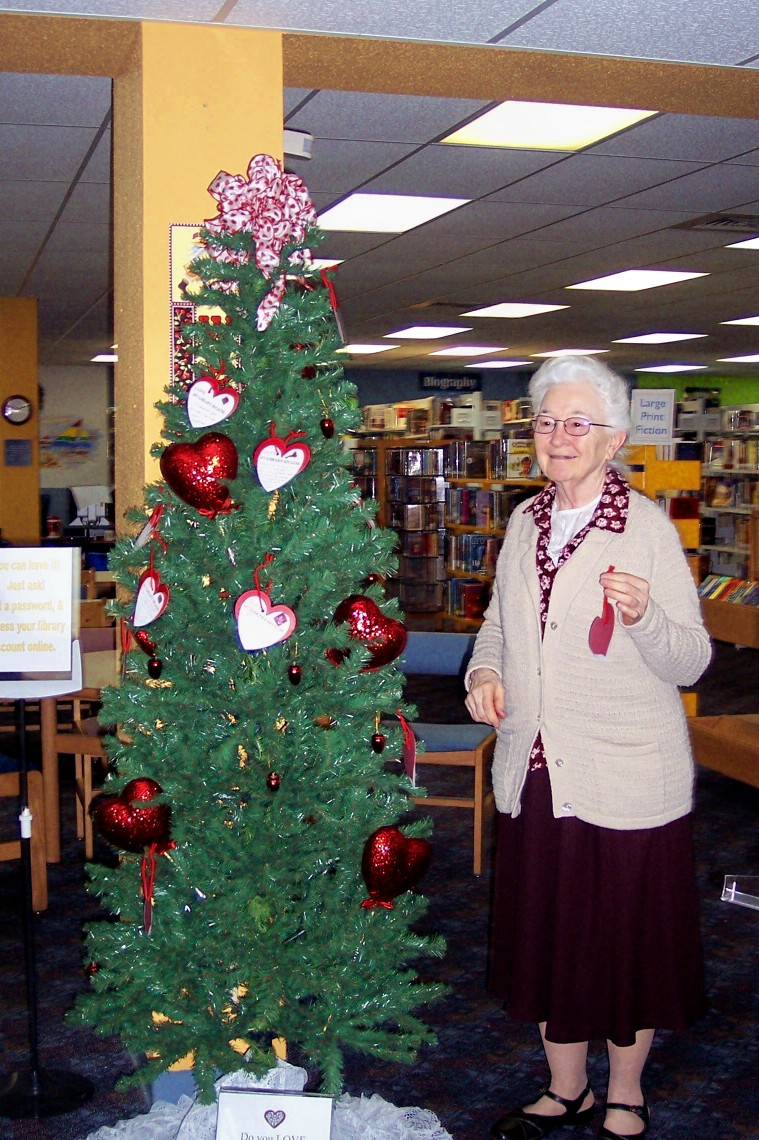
10	785
447	654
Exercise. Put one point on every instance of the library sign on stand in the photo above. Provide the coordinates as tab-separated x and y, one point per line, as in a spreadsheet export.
36	612
256	1114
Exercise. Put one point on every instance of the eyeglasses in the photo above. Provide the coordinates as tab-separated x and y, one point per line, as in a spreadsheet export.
575	425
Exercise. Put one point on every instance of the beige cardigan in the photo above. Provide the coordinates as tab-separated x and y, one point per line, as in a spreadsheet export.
613	727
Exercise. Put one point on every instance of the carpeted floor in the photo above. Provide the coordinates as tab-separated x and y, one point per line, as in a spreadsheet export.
703	1084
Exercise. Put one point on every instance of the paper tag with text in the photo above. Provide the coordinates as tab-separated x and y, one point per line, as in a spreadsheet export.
266	1114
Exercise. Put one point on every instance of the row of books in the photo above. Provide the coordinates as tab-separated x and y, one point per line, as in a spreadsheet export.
723	588
731	492
465	506
728	453
467	599
472	553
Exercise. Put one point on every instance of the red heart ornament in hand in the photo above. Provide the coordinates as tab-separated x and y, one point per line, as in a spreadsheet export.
195	472
383	636
392	864
124	824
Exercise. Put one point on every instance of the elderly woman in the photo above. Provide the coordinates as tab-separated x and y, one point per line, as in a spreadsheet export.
593	624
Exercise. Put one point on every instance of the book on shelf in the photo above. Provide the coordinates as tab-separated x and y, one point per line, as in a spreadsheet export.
521	462
724	588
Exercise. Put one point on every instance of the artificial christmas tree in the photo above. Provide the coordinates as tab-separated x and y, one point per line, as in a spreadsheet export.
248	787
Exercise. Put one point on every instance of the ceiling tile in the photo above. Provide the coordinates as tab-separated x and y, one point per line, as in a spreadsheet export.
591	179
460	171
89	202
339	167
457	20
716	188
54	100
709	33
43	152
32	201
692	138
413	119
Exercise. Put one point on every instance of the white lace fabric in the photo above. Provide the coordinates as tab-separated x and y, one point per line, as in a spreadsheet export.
354	1118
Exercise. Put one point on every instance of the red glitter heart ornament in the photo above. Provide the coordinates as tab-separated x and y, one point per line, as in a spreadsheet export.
196	471
125	824
383	636
391	864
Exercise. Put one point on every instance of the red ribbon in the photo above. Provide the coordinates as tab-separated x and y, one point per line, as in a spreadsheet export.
262	566
329	284
147	875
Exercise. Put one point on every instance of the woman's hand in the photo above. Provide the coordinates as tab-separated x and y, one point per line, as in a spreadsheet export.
486	699
628	593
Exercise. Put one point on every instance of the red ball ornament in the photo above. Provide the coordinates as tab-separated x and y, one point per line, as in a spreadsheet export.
294	673
195	472
273	780
123	823
328	427
392	864
383	636
379	740
155	668
91	968
309	372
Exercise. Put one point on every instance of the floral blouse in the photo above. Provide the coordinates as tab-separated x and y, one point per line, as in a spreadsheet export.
610	514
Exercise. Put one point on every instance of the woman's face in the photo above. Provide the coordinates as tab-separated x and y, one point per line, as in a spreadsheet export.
576	463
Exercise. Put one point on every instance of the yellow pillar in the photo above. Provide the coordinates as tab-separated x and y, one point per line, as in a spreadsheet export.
195	100
19	448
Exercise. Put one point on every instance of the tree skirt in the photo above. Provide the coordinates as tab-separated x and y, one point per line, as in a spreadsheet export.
355	1118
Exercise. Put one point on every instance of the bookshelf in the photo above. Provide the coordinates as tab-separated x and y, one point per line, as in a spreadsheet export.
729	513
485	482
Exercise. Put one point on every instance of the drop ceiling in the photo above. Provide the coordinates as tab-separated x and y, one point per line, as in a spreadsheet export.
669	193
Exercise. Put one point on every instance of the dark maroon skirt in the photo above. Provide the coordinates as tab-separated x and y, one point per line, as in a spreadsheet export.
595	931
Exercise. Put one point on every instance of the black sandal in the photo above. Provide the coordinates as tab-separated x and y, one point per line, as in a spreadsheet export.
521	1125
640	1110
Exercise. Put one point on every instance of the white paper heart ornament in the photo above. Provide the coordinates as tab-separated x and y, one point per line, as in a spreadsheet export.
209	402
277	461
152	599
259	623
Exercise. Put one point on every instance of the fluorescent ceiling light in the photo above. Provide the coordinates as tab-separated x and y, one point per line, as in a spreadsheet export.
573	352
429	332
104	358
739	359
513	309
750	243
466	350
658	338
385	213
633	280
743	321
672	368
545	126
499	364
365	349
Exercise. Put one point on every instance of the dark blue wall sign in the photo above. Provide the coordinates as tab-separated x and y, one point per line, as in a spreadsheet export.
437	382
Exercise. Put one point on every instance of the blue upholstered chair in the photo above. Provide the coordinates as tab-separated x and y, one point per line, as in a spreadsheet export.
466	745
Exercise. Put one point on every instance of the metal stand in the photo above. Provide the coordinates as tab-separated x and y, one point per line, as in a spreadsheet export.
34	1092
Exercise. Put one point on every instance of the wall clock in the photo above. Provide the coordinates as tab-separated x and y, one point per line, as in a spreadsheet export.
17	410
